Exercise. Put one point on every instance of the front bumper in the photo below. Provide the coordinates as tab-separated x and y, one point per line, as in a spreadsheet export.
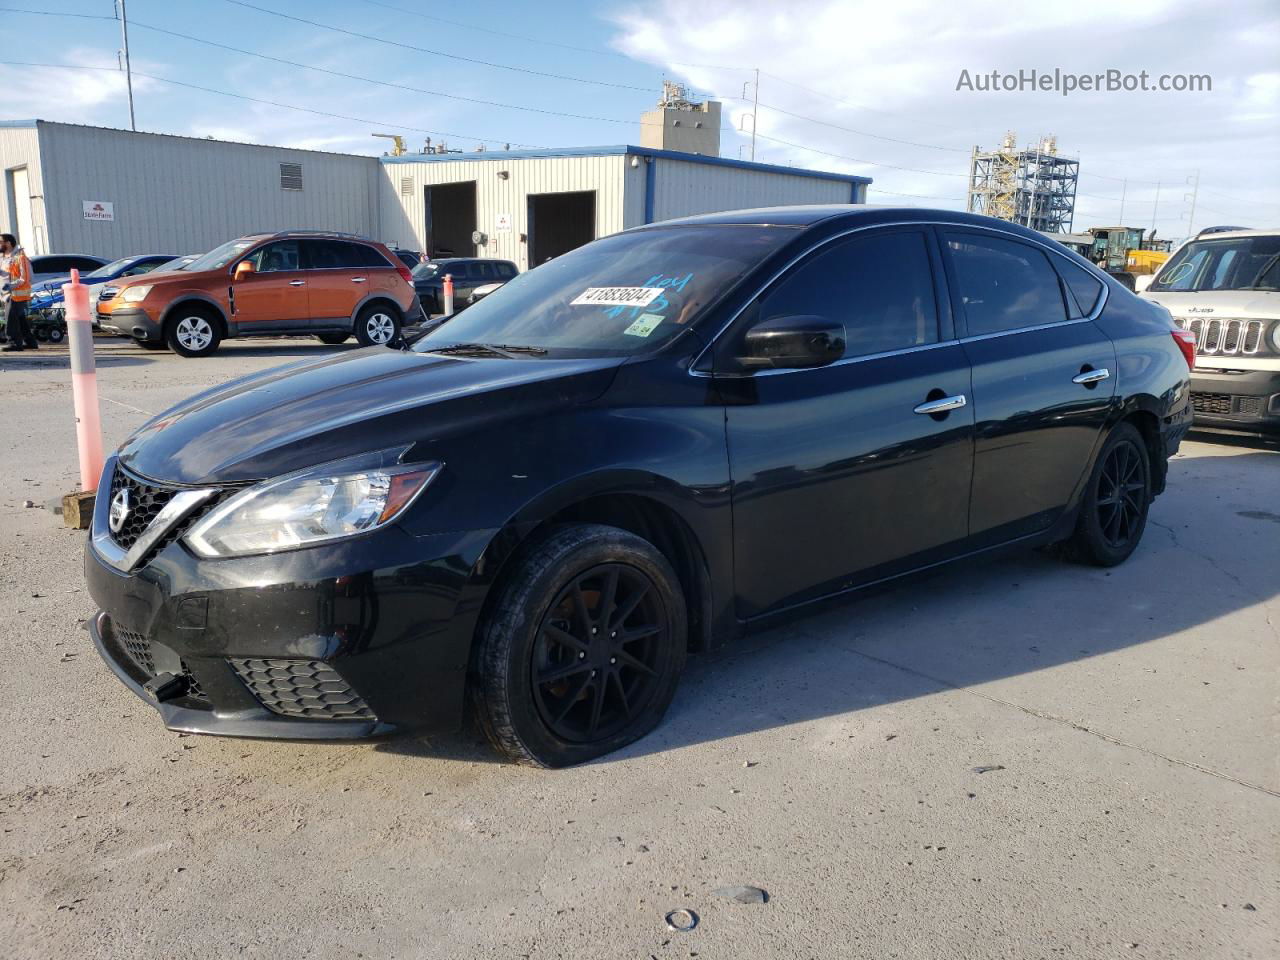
352	639
130	322
1241	401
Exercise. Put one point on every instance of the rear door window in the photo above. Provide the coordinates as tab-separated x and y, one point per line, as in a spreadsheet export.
506	270
1004	284
1083	287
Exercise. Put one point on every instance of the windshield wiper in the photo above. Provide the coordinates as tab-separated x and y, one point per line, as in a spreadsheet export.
491	349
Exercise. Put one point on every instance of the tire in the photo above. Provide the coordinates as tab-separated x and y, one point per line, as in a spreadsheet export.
42	334
152	344
621	689
192	332
1112	520
57	335
333	339
378	325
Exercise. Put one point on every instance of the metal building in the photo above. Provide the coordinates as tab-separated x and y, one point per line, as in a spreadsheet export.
1032	186
78	189
529	206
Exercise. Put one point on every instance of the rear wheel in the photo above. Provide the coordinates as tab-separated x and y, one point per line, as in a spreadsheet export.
333	339
56	334
377	325
192	333
1113	512
583	650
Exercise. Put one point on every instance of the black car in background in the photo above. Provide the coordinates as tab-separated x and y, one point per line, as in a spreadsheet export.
467	272
49	266
645	447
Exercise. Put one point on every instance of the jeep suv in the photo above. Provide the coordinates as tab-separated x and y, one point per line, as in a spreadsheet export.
1224	286
326	284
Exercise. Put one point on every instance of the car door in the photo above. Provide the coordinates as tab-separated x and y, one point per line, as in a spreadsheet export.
337	281
274	296
839	475
1044	376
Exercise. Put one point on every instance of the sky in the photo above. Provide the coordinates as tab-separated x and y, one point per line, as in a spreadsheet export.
873	88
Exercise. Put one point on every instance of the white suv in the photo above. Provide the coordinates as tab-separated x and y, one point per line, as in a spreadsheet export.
1225	288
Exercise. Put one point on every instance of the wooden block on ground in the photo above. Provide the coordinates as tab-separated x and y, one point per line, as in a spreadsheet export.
77	509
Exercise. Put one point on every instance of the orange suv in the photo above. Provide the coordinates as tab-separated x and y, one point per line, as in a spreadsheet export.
327	284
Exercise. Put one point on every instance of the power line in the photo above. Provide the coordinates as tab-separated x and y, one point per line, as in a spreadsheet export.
870	163
861	133
270	103
598	51
436	53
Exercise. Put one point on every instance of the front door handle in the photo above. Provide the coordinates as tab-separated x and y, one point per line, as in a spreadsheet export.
359	279
942	405
1087	377
297	283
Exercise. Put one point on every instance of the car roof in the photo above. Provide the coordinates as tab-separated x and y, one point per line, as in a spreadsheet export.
87	256
1237	234
468	260
811	214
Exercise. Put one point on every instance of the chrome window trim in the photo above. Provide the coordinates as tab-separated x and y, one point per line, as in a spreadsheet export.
1043	246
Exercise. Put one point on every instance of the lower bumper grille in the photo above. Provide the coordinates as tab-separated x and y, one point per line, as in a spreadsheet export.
1226	405
137	647
311	689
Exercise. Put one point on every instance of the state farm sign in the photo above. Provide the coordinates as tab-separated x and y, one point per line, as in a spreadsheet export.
99	210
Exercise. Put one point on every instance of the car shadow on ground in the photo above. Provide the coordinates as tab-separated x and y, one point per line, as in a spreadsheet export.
956	627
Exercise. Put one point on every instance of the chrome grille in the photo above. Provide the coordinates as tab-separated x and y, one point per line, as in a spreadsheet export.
108	293
1226	337
145	502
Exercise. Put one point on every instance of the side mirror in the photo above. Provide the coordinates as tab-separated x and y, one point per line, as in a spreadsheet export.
244	269
1142	282
793	343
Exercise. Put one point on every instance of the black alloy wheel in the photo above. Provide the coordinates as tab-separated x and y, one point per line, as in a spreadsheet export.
1113	511
582	647
597	658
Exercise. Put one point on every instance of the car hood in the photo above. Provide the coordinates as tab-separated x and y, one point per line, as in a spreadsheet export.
1241	304
316	411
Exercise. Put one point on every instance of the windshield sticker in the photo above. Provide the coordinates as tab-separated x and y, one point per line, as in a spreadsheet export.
616	296
645	324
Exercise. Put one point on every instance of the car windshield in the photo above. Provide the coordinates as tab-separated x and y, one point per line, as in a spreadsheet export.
110	270
1240	263
616	296
177	263
424	270
221	256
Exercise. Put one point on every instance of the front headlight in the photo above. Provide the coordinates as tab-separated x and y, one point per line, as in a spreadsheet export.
323	503
1275	337
136	294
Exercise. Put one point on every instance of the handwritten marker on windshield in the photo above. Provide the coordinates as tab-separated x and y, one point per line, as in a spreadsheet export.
448	294
84	382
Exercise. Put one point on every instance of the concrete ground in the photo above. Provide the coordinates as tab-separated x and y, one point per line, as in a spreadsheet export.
1126	721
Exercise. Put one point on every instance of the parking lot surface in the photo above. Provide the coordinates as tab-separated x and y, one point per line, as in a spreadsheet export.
1011	758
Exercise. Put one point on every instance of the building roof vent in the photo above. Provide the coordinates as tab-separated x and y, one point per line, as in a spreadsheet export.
290	176
406	186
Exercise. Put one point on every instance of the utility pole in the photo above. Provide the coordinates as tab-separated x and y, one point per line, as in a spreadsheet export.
123	17
1194	180
755	113
1154	207
1124	189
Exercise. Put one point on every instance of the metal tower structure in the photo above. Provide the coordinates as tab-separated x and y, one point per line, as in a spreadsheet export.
1032	186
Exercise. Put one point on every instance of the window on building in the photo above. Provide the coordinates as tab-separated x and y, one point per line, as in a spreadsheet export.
1004	284
290	176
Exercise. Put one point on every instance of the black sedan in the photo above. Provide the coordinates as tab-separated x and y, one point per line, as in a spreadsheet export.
640	449
468	273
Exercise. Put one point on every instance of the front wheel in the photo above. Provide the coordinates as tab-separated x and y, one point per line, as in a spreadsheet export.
56	334
1113	511
377	326
192	333
583	650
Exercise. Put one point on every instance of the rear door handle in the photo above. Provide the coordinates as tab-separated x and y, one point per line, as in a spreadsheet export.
942	405
1087	377
297	283
359	279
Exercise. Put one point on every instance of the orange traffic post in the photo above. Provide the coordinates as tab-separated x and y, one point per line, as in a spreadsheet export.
84	381
448	294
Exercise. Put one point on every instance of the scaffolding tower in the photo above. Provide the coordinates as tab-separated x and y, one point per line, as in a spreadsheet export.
1032	186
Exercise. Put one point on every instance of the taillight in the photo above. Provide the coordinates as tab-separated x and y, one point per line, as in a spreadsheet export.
1186	341
405	274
